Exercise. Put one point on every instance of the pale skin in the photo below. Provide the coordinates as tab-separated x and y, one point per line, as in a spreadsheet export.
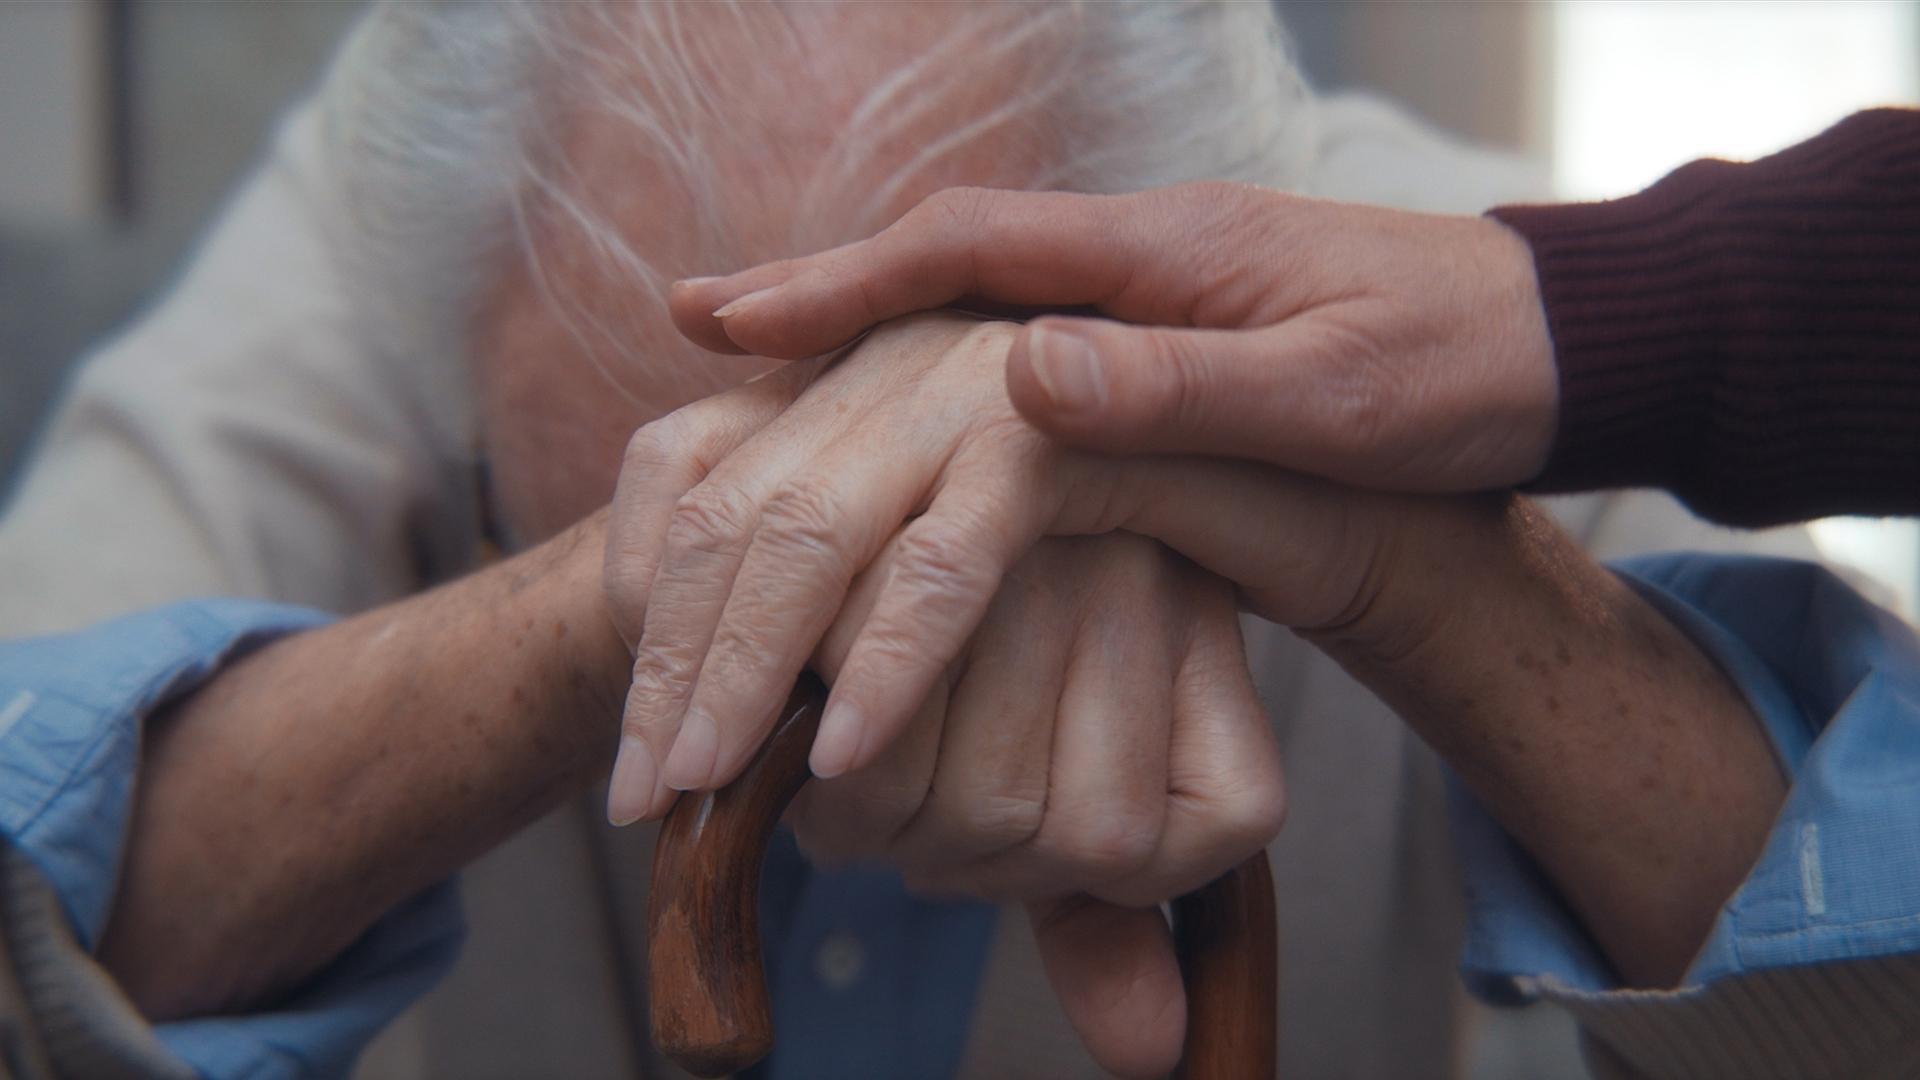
1388	349
385	796
474	708
364	796
285	805
405	793
1384	348
1606	743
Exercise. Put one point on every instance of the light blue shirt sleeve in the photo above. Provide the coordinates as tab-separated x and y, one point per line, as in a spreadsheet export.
1836	682
71	712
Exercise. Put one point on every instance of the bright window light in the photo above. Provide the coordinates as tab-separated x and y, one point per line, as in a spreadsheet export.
1640	88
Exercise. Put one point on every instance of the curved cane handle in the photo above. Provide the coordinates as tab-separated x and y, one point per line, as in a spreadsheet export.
708	988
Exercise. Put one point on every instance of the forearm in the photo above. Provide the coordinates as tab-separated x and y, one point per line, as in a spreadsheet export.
304	791
1598	736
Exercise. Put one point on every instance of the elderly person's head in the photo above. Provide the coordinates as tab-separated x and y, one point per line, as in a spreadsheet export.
528	178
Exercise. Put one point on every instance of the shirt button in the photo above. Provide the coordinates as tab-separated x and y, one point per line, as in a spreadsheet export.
840	960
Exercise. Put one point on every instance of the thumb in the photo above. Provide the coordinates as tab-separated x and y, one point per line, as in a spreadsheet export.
1253	394
1114	970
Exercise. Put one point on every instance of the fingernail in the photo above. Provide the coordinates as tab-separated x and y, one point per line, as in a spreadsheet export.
837	741
1067	369
690	762
630	791
741	303
662	798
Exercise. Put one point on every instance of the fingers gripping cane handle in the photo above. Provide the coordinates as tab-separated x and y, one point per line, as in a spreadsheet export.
709	991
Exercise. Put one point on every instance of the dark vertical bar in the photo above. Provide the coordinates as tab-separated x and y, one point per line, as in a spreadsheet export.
118	128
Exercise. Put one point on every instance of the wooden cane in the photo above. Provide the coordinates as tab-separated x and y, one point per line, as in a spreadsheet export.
708	990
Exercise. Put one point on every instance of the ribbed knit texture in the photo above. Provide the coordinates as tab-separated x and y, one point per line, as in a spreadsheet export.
1852	1020
1745	335
80	1020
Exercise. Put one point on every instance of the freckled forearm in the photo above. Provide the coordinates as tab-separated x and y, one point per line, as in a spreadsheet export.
1616	753
307	789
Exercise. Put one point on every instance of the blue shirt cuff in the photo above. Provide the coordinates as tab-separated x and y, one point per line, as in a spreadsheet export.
1836	683
71	712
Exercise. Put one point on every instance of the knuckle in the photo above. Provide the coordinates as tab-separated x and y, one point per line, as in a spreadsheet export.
803	518
989	341
779	388
1364	408
1185	394
1004	440
711	517
739	657
661	673
1252	814
633	727
1212	208
656	442
959	208
1359	385
999	820
940	565
880	654
1133	562
1108	842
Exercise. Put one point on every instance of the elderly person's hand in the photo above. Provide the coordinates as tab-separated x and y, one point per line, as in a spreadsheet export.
1099	734
1384	348
1093	748
1097	748
732	549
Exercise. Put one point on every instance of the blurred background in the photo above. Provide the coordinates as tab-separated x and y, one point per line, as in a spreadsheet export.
1612	94
124	123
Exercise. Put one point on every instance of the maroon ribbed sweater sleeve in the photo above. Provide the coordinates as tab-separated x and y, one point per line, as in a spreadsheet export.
1745	335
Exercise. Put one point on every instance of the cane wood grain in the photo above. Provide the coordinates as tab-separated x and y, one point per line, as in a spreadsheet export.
1229	946
708	988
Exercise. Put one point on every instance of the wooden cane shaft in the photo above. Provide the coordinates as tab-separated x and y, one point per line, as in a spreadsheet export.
1228	938
708	989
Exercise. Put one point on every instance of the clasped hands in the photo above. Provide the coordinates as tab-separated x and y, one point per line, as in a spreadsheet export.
1037	681
1039	689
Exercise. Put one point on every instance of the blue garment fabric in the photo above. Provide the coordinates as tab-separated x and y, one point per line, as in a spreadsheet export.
71	711
1836	682
899	977
866	979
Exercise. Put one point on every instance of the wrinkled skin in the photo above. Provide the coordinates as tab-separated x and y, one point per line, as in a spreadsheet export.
1384	348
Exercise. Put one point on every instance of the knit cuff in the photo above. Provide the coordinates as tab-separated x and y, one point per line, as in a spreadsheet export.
1624	286
1744	335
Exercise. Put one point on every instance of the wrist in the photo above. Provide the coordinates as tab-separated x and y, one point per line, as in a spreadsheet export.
598	664
1516	330
553	602
1427	556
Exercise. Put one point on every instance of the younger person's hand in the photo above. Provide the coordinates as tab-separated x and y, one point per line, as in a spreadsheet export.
1383	348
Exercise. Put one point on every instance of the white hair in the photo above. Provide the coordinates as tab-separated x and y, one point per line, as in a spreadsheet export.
445	119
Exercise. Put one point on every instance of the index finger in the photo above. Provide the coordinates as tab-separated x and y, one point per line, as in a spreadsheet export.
1035	249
